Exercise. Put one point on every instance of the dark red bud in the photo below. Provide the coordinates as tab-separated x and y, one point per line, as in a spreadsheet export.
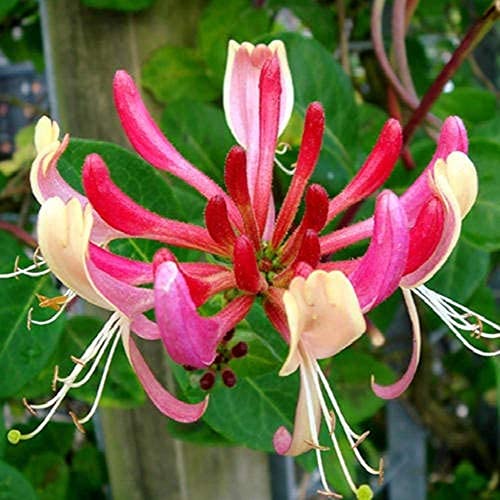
228	377
188	368
207	381
239	350
316	208
229	335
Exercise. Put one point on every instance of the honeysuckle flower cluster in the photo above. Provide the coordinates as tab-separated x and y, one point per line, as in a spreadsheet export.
261	251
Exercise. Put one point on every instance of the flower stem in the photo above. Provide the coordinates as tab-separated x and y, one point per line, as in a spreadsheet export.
19	233
475	34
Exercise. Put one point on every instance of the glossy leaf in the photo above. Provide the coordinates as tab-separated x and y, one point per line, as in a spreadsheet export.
14	485
173	73
23	353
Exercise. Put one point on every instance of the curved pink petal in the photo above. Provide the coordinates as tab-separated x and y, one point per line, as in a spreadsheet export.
145	328
397	388
381	268
453	137
189	338
148	140
161	398
374	172
124	214
124	269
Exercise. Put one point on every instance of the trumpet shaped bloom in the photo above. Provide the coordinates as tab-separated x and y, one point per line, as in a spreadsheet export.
281	257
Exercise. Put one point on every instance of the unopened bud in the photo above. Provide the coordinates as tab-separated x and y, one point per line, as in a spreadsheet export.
207	381
239	350
228	377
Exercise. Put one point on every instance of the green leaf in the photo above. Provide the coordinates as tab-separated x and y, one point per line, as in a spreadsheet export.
23	353
120	5
200	133
173	73
251	412
471	104
23	154
350	380
482	225
6	6
49	474
222	21
13	485
88	473
465	269
57	437
311	66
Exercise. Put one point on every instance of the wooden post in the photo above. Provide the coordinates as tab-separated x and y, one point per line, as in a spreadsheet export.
84	47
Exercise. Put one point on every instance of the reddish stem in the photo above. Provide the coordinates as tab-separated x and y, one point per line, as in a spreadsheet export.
19	233
471	39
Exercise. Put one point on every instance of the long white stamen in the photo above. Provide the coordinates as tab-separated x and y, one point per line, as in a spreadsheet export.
288	171
450	306
312	419
27	271
102	382
96	348
434	301
351	436
331	431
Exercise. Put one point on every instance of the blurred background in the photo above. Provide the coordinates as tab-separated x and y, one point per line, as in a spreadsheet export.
58	57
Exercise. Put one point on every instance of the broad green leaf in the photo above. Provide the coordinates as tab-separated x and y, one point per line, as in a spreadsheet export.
222	21
27	46
471	104
350	373
173	73
465	269
13	485
49	474
57	437
88	473
251	412
23	352
319	18
120	5
200	133
482	225
318	77
6	6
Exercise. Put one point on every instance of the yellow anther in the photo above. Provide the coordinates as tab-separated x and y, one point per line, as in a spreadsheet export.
28	407
77	423
77	361
329	494
55	378
53	302
316	446
360	439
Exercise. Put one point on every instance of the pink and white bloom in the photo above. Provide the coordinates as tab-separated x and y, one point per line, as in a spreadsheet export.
316	303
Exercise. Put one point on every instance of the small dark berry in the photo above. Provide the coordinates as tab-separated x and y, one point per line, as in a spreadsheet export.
207	381
228	377
229	335
219	359
239	350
